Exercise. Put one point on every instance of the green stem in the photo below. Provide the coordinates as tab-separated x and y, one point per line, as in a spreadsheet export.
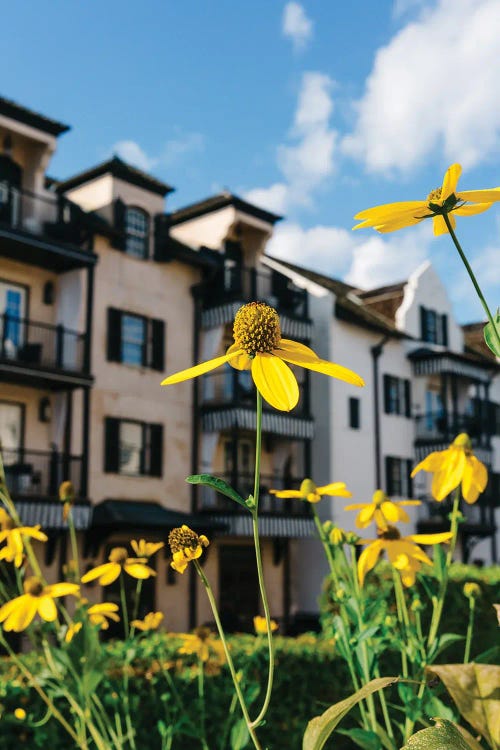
470	628
443	585
74	544
123	600
211	599
472	278
258	558
201	703
364	650
138	590
403	619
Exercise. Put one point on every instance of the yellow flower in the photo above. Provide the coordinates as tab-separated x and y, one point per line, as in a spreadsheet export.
260	625
455	465
258	347
312	494
472	590
72	630
337	536
442	200
20	714
403	552
185	545
203	644
13	535
150	622
118	561
99	614
67	497
38	599
146	549
382	510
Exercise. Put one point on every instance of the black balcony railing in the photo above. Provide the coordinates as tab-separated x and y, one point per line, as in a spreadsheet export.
235	388
235	283
444	426
50	216
30	342
209	500
39	473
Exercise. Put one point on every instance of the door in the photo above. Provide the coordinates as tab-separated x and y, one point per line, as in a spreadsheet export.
238	587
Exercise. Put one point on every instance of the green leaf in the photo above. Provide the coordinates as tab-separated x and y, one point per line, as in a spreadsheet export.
320	728
363	738
219	485
443	736
443	642
475	688
489	334
239	735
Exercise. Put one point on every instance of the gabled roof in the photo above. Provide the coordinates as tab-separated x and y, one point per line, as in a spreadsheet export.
348	304
121	170
383	299
474	342
215	203
15	111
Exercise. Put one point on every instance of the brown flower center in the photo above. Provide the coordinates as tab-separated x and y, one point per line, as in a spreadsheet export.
390	533
435	195
183	537
118	555
33	586
257	328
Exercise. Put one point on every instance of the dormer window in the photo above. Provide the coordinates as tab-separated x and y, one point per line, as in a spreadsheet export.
136	232
434	327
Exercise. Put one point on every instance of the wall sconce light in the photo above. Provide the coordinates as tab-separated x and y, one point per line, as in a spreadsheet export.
45	409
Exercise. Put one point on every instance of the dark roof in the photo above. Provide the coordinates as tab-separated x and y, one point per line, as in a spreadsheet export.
215	203
466	357
146	514
15	111
383	299
474	340
348	306
205	257
121	170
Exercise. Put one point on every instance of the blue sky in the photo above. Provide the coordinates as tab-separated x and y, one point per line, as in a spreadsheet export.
313	109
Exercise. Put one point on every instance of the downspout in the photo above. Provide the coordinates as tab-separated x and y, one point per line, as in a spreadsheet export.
376	351
195	421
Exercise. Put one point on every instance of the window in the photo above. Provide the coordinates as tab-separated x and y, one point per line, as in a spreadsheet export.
11	431
433	327
397	396
135	340
133	448
136	232
13	301
397	476
354	415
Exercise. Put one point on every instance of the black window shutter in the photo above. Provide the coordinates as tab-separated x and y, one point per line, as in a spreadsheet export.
114	335
158	345
444	330
354	421
409	467
387	394
388	475
111	444
119	209
407	399
156	448
423	324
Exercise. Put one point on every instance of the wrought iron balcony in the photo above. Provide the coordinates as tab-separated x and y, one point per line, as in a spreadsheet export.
443	427
209	500
47	347
38	474
235	388
45	230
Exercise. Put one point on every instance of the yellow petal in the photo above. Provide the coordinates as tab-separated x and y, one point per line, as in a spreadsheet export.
138	570
105	608
193	372
472	209
432	462
9	607
275	381
22	616
33	532
474	480
391	211
450	475
390	511
409	502
61	589
294	347
450	181
286	493
393	226
337	489
480	196
101	570
367	559
365	516
439	224
179	566
241	360
47	609
355	506
320	365
444	536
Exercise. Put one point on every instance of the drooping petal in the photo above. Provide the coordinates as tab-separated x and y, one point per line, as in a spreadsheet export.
22	616
480	196
241	361
320	365
62	589
355	506
9	607
450	474
47	609
194	372
138	570
285	494
443	536
365	516
474	480
336	489
450	181
472	209
368	559
101	570
33	532
439	224
275	381
431	463
295	347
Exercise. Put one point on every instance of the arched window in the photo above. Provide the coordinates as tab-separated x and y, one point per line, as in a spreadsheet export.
136	232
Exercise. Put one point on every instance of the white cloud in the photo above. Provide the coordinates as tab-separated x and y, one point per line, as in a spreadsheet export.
309	160
325	249
296	25
432	87
172	151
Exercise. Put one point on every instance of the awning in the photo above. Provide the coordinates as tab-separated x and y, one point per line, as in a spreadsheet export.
275	423
429	362
49	515
290	327
288	527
